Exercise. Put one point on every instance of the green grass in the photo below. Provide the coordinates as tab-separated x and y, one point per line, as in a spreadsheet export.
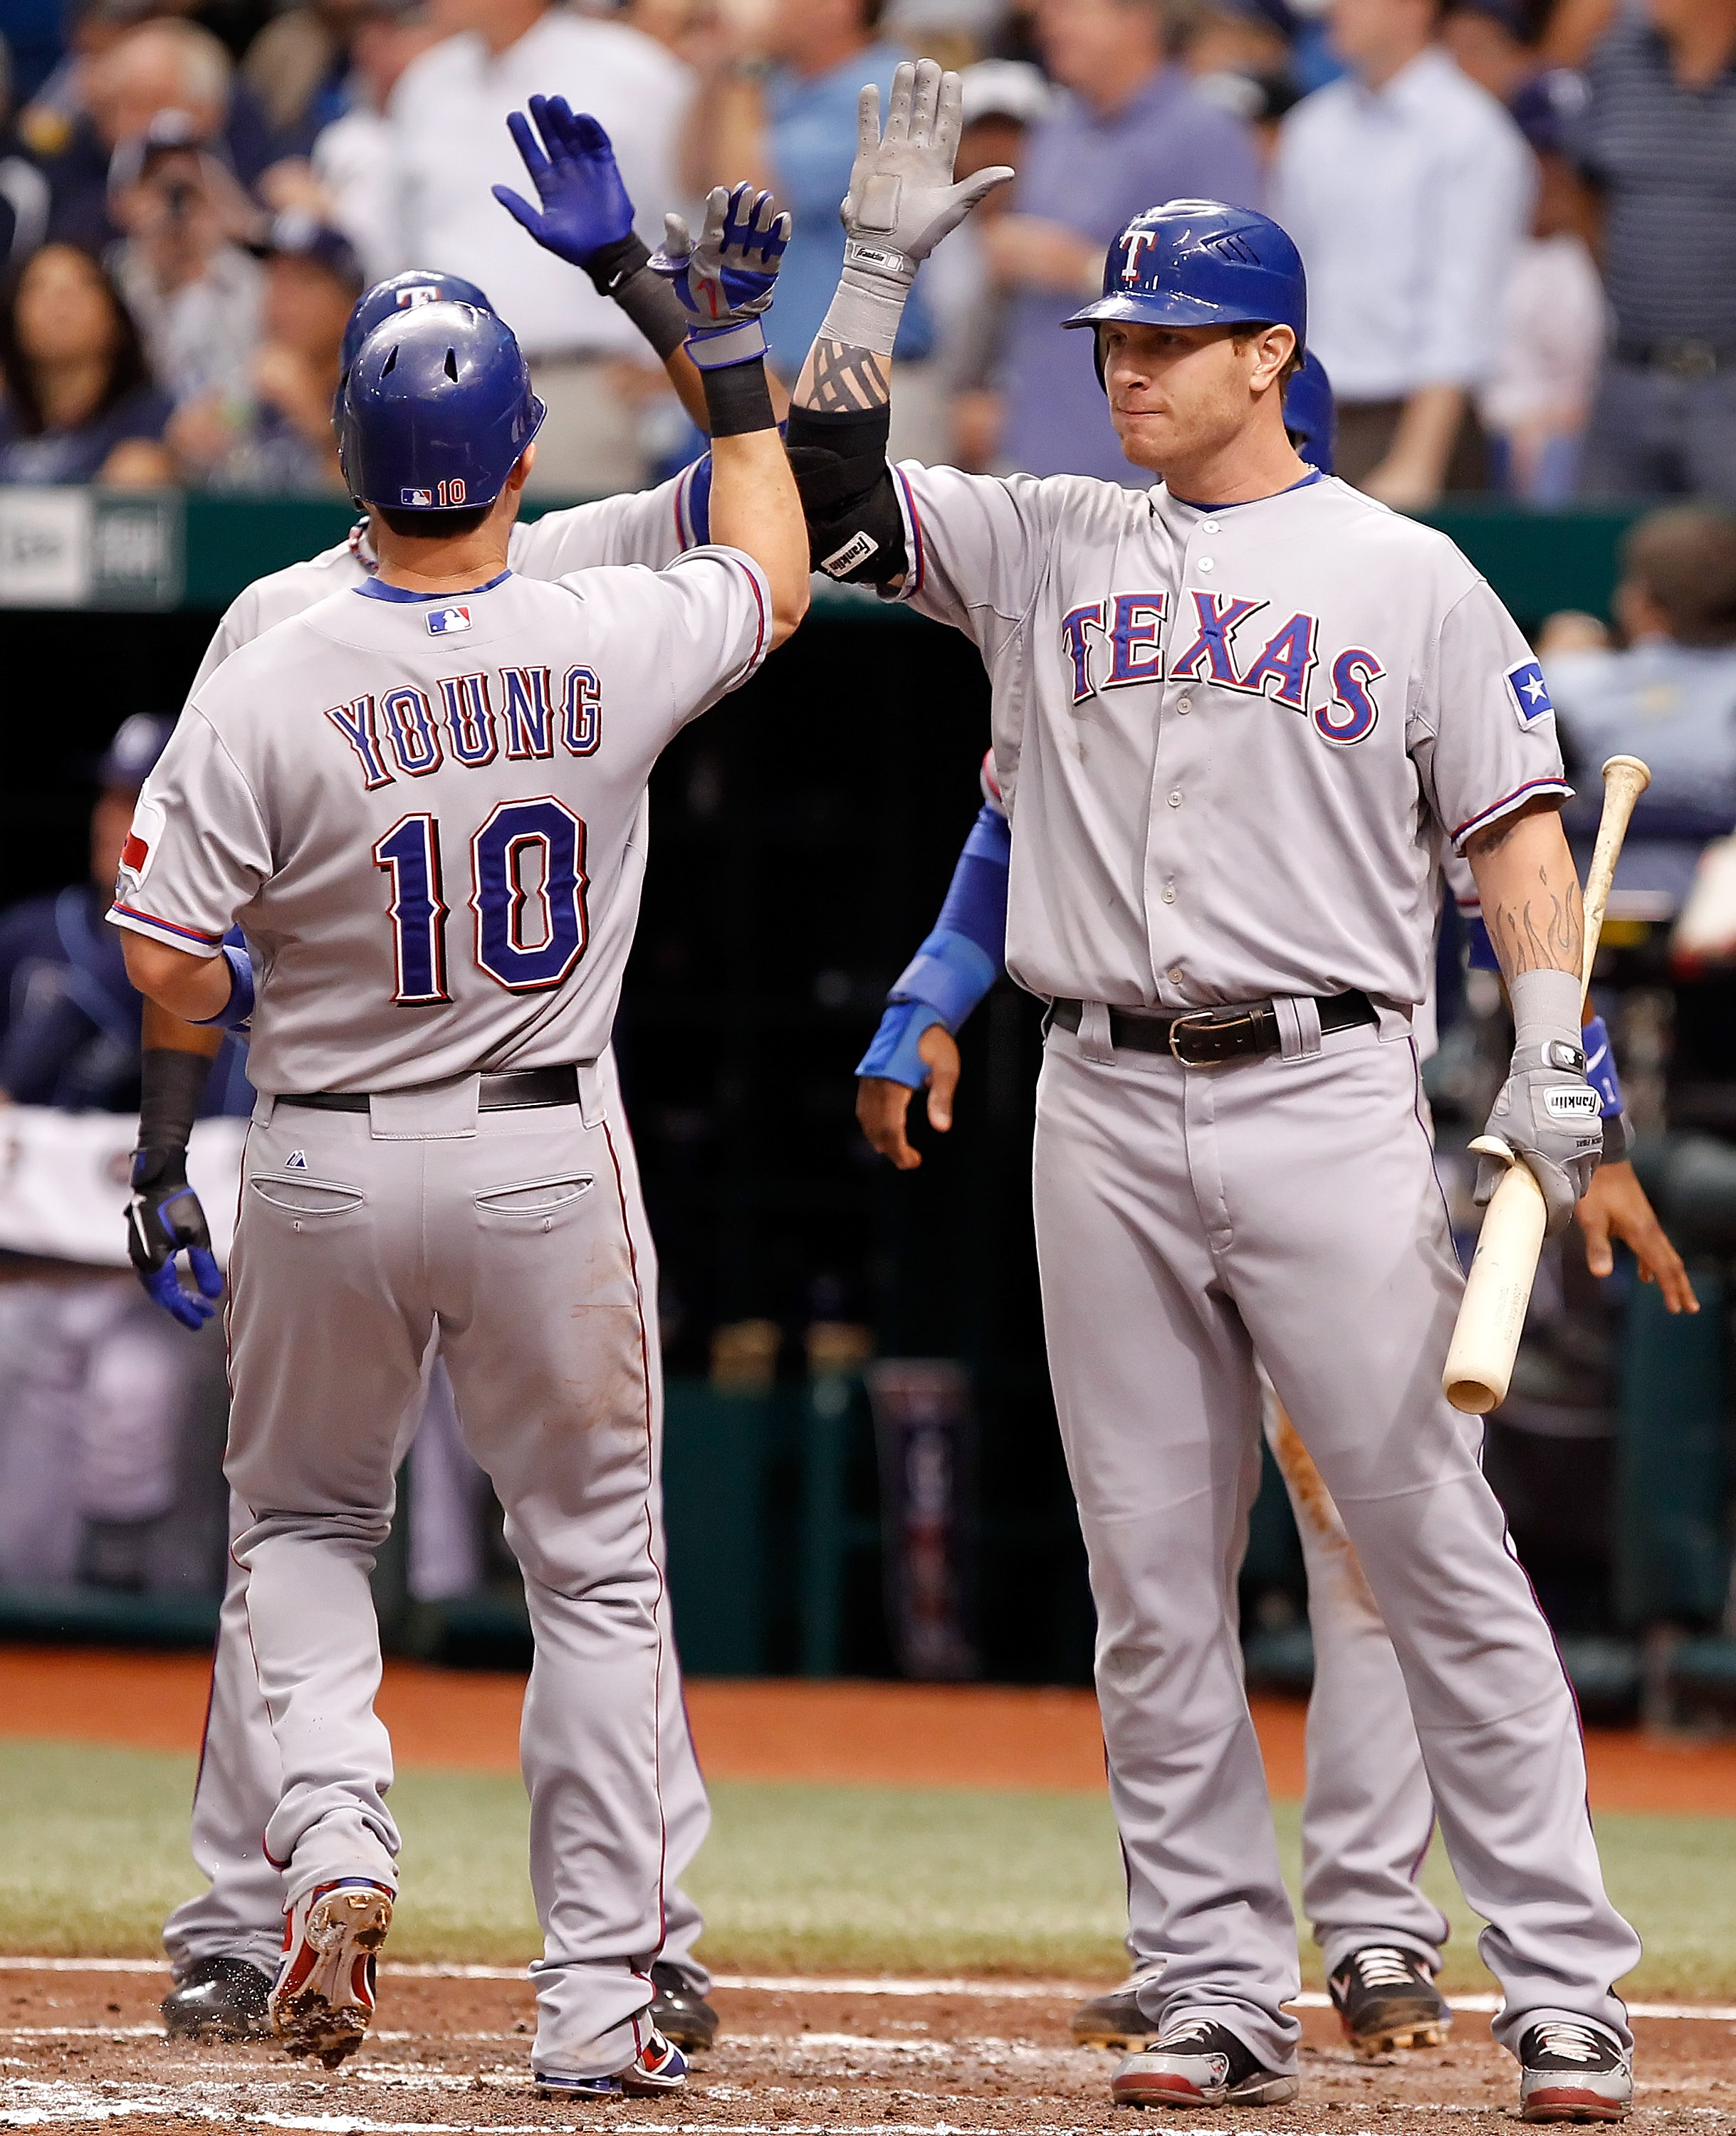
93	1853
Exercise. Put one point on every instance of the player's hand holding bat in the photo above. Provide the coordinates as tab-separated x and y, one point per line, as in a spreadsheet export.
1546	1110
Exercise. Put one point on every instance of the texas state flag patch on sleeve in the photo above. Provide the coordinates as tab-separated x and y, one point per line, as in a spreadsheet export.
1530	692
442	622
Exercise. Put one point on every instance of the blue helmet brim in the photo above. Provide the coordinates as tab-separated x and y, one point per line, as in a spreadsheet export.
1143	309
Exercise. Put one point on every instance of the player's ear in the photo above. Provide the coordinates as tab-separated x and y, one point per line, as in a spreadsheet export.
1273	349
521	467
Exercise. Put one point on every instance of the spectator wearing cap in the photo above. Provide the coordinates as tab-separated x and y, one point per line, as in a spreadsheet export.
194	290
786	114
1003	100
1658	143
1132	131
80	406
1407	189
123	85
449	115
279	439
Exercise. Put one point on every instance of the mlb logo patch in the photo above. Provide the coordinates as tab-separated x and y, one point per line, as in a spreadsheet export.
1530	692
411	300
442	622
415	496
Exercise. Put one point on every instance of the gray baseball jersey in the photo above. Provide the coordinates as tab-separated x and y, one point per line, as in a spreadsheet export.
1231	740
1233	744
421	813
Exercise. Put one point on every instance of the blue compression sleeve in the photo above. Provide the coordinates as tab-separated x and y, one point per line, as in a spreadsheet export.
1600	1067
958	962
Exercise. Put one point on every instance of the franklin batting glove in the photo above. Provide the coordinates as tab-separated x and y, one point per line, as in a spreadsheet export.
163	1219
725	281
1548	1113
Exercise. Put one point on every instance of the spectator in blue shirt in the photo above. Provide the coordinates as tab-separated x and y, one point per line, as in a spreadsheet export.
1132	131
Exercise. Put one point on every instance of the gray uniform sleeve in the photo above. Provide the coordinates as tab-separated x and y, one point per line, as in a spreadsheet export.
978	545
198	850
649	526
239	627
1481	731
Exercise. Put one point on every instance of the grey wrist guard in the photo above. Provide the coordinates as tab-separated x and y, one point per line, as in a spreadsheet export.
869	301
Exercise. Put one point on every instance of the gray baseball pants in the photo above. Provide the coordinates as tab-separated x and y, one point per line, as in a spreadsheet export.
517	1240
1187	1219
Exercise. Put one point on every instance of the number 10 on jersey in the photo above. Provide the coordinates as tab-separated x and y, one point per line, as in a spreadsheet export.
527	884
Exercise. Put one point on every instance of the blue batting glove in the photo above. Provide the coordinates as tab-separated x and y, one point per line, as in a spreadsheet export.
726	279
585	205
891	1053
164	1219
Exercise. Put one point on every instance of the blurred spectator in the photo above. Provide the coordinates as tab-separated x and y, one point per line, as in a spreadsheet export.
80	404
23	189
1659	142
120	89
33	39
1407	189
789	120
298	67
1002	99
351	179
1134	132
1536	399
194	291
449	112
279	438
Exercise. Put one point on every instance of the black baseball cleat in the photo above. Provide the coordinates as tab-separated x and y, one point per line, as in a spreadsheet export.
222	1998
679	2012
1386	1998
1199	2064
1571	2072
1116	2020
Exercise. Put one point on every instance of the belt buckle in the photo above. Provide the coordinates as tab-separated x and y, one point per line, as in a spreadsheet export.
1205	1019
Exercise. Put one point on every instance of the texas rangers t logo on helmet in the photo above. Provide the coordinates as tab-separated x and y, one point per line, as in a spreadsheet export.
1134	242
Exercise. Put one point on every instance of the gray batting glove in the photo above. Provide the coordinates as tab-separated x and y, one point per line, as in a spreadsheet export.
725	281
901	201
1549	1115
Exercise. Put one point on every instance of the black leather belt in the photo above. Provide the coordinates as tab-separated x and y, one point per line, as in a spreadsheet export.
1202	1037
1682	358
513	1091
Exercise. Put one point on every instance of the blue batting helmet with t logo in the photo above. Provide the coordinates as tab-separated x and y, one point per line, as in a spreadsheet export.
1310	413
1196	263
404	293
438	410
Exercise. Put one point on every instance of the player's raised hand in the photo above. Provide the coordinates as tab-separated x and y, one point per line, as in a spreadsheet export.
585	208
882	1101
164	1219
903	200
729	274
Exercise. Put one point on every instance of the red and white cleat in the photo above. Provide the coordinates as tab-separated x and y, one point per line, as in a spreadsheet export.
1573	2072
323	2000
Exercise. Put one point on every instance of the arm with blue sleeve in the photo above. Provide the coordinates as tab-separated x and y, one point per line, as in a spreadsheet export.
959	961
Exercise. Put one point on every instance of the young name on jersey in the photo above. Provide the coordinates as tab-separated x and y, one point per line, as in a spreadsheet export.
1127	632
514	710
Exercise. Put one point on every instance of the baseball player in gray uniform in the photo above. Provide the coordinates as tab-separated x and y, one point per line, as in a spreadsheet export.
223	1943
420	799
1235	718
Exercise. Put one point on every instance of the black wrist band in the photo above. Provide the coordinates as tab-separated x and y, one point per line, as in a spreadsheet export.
738	400
856	434
654	307
612	266
171	1086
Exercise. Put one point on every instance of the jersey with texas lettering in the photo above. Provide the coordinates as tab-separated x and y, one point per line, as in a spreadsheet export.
422	812
650	527
1231	742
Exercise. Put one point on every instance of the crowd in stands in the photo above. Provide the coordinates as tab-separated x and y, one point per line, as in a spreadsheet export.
1519	218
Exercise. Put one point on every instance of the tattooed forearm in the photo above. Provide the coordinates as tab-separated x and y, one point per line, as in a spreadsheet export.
1531	894
839	379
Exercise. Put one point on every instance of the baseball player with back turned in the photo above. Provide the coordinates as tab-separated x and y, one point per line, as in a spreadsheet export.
420	800
225	1944
1234	719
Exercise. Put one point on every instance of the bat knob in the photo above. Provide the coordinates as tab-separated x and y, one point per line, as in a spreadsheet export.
1489	1145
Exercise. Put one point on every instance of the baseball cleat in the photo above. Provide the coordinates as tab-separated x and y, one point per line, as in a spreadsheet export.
658	2067
1387	1998
222	1998
1200	2063
1571	2072
323	2001
679	2012
1116	2020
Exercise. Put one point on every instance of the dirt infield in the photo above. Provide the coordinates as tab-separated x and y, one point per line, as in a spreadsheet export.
77	2048
858	1734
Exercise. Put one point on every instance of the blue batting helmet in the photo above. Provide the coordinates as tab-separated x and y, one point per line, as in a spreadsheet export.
1196	263
438	410
404	293
1311	415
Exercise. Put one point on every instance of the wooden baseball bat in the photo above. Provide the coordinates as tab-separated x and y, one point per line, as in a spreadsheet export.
1498	1289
